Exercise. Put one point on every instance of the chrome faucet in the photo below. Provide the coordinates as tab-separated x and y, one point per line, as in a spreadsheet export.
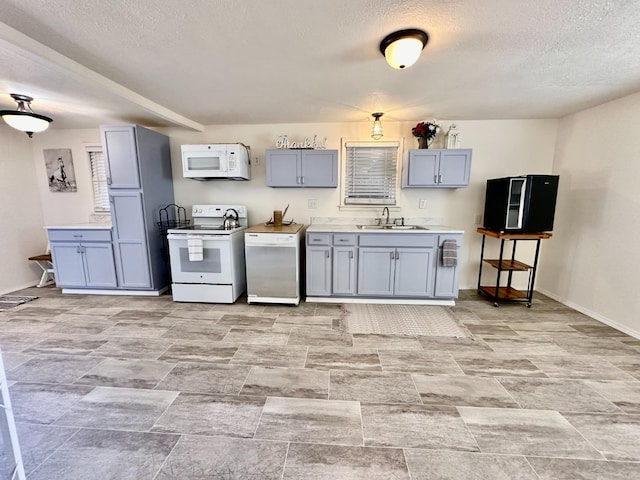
387	210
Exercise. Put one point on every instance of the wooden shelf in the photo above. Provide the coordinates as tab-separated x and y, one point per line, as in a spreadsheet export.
513	236
509	265
505	293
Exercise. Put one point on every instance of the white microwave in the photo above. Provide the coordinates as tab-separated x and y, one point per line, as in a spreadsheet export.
216	160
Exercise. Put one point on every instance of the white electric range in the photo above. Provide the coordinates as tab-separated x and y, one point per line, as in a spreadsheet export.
207	259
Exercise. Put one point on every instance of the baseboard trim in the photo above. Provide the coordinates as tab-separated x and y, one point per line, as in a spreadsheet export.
594	315
390	301
19	287
141	293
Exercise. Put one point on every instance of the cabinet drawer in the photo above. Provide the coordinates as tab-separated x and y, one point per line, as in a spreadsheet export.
401	240
318	239
344	239
88	235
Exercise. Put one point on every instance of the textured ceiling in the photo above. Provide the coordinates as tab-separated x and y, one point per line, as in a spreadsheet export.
163	62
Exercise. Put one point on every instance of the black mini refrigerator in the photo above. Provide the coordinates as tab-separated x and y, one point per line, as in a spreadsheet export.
524	204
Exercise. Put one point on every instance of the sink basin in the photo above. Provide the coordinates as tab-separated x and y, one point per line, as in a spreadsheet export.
407	227
390	227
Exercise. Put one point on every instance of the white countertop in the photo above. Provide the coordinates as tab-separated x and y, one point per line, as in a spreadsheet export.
427	229
80	226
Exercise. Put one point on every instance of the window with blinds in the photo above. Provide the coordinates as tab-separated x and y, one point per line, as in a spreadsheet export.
99	181
371	173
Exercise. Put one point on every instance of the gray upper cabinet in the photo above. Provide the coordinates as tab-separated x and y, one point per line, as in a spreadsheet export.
445	168
120	150
139	167
302	168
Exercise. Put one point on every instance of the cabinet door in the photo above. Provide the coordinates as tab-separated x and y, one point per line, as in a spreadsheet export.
447	278
283	168
318	271
414	271
344	270
100	270
132	261
455	168
67	265
375	271
423	168
121	156
319	168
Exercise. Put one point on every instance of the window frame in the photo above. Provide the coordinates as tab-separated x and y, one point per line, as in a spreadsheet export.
98	184
345	177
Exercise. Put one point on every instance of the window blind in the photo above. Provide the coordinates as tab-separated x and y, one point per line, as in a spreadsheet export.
99	181
371	174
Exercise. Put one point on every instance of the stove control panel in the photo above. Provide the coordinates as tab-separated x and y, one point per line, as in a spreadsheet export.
217	211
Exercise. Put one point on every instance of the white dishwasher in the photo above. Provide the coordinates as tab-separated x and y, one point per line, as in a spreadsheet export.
272	257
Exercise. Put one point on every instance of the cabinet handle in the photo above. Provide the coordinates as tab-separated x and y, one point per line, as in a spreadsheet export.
439	178
302	180
350	254
326	254
108	180
435	179
78	249
392	255
397	255
110	198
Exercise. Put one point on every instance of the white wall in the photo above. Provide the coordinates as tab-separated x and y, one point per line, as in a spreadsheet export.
500	148
21	220
592	261
66	207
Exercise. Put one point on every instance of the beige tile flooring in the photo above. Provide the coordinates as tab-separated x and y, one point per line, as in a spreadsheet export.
120	388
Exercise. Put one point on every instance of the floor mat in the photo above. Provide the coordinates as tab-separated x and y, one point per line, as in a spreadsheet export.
428	320
10	301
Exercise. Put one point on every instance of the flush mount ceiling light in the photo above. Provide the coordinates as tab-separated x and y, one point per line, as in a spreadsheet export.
403	48
23	118
376	131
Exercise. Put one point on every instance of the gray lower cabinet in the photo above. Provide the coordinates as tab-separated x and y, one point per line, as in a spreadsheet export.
404	272
344	271
302	168
374	265
433	168
318	271
82	263
447	278
129	239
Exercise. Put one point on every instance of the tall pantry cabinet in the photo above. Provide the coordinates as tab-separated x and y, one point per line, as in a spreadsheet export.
139	180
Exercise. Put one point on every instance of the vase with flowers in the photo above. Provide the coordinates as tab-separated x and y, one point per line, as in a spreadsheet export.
426	133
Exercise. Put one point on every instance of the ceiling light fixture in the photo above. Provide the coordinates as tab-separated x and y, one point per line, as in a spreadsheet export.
376	131
23	118
403	48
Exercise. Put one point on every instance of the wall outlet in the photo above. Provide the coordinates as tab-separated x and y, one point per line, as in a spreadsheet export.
312	203
256	160
477	219
423	203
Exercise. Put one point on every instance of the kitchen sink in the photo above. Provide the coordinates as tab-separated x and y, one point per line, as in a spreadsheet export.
390	227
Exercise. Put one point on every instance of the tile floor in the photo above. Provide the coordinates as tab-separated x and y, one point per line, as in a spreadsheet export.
145	388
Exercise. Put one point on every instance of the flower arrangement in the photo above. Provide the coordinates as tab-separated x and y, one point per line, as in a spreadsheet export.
425	132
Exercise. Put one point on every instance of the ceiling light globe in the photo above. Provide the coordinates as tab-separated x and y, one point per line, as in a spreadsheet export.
26	123
403	53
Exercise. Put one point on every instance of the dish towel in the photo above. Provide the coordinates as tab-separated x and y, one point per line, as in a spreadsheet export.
449	253
195	249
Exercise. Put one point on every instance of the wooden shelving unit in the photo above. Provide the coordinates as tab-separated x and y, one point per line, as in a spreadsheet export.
499	293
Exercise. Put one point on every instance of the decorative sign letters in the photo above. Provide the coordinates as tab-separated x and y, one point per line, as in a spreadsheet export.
283	142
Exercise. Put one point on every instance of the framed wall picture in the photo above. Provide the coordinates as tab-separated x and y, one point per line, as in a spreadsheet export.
60	173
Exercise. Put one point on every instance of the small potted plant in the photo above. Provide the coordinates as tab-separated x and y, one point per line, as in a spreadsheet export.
426	133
